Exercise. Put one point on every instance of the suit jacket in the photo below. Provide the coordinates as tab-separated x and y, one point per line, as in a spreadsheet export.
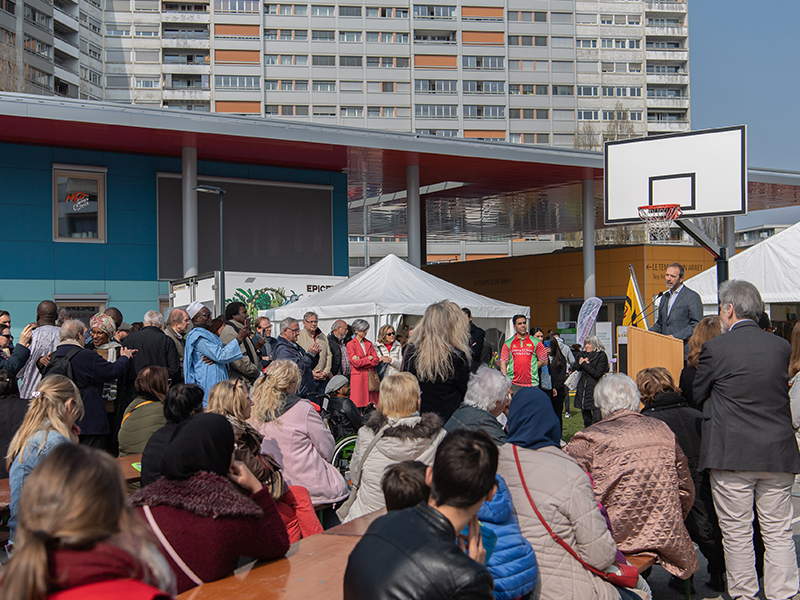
680	321
742	387
154	348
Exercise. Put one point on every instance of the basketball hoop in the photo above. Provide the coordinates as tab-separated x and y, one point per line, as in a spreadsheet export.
658	219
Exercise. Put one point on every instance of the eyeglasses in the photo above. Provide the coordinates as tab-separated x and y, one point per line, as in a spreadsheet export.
7	336
294	330
390	333
311	321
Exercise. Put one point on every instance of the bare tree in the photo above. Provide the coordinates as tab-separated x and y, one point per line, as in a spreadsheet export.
10	75
619	126
586	137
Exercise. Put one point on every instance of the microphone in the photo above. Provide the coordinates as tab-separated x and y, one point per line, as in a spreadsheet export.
642	315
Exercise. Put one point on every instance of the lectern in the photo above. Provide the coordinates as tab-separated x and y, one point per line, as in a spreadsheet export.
650	349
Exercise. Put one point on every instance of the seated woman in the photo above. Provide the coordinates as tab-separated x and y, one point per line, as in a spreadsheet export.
486	399
201	519
404	435
563	496
182	402
145	415
663	401
641	476
230	399
295	434
50	421
76	537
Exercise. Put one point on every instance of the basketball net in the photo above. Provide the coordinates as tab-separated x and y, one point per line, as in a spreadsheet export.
658	219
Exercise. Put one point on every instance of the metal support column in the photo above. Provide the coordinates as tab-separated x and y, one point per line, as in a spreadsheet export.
589	284
414	216
729	235
189	207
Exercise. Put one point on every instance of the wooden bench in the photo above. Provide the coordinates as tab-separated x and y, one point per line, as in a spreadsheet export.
640	561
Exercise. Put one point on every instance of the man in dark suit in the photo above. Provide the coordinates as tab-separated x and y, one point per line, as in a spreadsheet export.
477	338
748	443
680	308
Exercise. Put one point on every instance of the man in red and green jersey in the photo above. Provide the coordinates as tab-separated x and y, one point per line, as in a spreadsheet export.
517	356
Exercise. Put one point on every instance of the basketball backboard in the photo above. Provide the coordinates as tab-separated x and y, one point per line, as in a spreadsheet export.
705	172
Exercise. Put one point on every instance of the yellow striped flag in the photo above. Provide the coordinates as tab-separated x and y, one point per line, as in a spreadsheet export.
633	307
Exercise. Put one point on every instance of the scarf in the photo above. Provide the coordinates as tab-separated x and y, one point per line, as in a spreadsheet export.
532	422
202	443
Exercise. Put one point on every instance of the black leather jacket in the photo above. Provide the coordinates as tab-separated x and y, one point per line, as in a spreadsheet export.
411	554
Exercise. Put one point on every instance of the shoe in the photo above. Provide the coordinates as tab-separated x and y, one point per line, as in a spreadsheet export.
717	582
567	415
680	584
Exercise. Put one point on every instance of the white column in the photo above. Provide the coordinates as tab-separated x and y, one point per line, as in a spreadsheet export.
589	287
414	216
189	206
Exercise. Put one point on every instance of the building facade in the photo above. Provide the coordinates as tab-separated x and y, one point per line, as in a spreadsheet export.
568	73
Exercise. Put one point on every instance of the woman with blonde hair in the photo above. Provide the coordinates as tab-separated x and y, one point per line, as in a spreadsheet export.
50	421
438	355
295	434
707	328
230	399
389	349
393	433
76	537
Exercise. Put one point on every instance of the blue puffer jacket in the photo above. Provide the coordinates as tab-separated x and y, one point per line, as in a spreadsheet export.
513	563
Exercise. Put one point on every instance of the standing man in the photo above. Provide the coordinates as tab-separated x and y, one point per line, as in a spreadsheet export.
287	348
247	367
337	342
263	340
477	337
44	340
748	443
522	355
205	360
154	348
680	308
178	323
309	335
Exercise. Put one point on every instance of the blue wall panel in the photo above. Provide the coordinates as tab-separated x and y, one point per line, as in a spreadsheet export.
131	262
74	260
29	260
24	222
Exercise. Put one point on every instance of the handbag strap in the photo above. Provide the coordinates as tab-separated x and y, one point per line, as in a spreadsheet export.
130	412
168	547
379	435
552	533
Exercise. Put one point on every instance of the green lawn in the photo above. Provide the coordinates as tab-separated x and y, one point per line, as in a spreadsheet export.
573	424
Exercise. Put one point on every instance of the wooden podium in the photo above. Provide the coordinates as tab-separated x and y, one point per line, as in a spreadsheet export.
650	349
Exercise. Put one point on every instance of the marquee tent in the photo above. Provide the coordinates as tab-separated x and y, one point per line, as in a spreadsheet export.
770	265
395	292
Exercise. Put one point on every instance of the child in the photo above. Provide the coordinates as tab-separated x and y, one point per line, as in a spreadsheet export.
404	485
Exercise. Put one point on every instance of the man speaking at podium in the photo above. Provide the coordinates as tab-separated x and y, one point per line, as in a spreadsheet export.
680	308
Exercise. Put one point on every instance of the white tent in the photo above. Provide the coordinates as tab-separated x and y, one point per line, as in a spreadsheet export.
770	265
392	291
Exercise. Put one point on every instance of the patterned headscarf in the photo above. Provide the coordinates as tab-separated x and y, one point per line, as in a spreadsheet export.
104	323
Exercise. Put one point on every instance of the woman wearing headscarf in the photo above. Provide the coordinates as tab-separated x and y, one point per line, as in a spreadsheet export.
102	330
563	495
197	511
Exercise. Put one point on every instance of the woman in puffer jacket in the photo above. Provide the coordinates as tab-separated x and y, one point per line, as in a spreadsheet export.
513	563
406	436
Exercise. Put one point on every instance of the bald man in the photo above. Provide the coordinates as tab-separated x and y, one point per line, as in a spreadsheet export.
44	340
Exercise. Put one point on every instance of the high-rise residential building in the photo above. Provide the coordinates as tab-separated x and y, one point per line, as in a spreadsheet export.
561	72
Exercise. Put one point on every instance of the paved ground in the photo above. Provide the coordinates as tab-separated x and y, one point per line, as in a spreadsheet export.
658	580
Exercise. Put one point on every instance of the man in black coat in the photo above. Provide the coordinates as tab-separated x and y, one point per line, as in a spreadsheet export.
748	443
412	553
337	342
154	348
477	337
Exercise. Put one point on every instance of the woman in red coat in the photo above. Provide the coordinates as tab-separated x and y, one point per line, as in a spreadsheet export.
362	357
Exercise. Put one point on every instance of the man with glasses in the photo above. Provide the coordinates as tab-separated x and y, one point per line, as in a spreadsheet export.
205	359
308	336
265	343
19	353
287	348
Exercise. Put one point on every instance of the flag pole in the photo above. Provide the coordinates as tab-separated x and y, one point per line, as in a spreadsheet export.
639	297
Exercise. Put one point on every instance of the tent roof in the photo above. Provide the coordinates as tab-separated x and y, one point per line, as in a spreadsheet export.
770	265
393	286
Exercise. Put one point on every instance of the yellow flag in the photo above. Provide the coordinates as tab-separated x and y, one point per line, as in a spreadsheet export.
633	310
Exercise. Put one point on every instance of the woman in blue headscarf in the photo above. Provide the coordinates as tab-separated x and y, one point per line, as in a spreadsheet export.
563	495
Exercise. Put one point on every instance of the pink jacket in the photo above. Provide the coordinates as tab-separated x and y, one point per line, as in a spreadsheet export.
303	446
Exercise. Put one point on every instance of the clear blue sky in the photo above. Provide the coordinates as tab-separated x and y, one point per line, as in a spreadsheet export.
745	69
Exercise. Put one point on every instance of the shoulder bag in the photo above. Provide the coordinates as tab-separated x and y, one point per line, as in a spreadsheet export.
620	574
168	547
344	509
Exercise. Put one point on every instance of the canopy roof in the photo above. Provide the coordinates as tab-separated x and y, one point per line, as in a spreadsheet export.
393	287
770	265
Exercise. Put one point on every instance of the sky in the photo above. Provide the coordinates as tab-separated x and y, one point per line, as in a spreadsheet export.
744	68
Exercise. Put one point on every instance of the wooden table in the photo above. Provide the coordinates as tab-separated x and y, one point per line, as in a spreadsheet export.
356	527
313	569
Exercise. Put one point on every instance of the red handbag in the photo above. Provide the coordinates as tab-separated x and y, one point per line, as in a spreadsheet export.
620	574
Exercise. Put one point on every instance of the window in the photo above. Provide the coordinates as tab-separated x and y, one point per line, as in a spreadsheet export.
483	62
9	6
118	81
607	43
587	115
285	9
351	111
560	66
586	43
561	17
634	67
484	112
240	82
40	48
634	44
349	61
147	30
387	13
635	92
607	67
561	42
323	36
299	60
323	11
586	18
351	86
349	11
272	109
528	89
288	110
297	35
236	6
147	83
324	111
529	113
349	36
437	111
484	87
663	69
323	61
563	90
143	55
118	56
521	40
606	19
563	115
79	203
118	29
530	138
439	86
324	86
388	62
269	34
587	90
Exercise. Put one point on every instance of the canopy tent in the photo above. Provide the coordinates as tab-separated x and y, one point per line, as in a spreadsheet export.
395	292
770	265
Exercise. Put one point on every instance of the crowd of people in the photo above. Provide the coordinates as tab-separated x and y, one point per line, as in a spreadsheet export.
237	431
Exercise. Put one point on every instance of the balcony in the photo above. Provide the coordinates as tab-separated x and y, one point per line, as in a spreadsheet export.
676	54
177	68
66	74
184	17
668	31
668	102
671	78
667	7
182	42
66	47
668	126
201	94
65	19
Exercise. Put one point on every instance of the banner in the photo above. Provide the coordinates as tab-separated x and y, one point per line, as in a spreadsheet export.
587	317
633	309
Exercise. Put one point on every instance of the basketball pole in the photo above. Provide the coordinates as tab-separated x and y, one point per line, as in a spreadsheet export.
720	253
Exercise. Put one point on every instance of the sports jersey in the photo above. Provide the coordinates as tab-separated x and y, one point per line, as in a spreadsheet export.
519	353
